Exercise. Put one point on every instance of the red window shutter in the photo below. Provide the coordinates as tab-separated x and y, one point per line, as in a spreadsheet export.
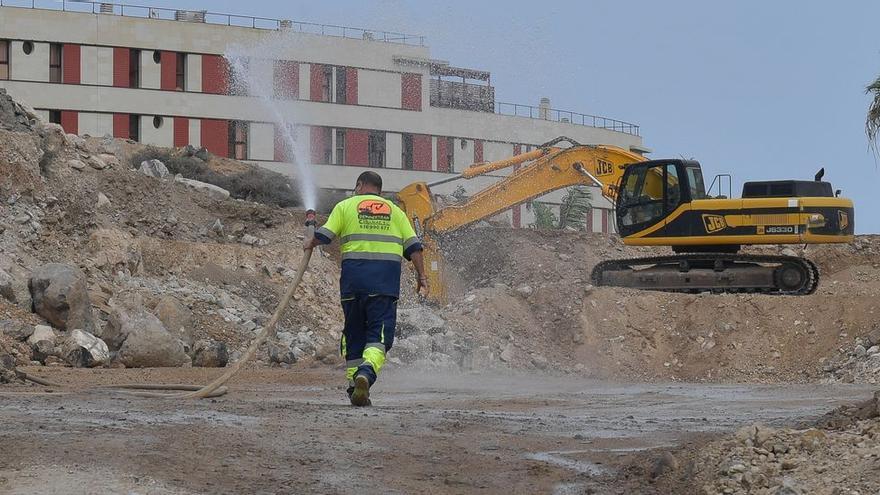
421	152
478	151
215	136
286	79
121	65
316	76
71	64
604	221
317	137
120	123
442	162
215	75
70	122
517	216
351	86
411	91
356	147
588	225
168	77
181	131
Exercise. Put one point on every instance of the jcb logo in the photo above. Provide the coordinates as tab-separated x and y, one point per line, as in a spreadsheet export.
842	220
714	223
604	168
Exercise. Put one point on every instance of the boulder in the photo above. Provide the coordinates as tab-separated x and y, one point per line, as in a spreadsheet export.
14	286
42	350
109	159
7	290
76	164
16	330
41	333
97	163
212	190
84	350
176	318
148	345
210	354
154	168
60	295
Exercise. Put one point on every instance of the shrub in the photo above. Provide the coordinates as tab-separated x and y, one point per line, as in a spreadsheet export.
255	184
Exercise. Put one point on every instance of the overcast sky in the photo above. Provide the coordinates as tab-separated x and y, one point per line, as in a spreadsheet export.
761	90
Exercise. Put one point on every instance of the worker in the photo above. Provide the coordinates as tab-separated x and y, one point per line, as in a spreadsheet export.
374	235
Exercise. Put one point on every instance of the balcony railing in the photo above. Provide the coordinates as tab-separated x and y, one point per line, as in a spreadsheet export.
202	16
565	116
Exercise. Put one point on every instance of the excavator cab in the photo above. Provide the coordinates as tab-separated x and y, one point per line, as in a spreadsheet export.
649	192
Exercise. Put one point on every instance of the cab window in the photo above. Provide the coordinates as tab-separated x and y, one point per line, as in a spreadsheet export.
649	194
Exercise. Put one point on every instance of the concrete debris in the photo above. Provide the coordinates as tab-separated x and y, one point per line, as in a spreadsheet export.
148	345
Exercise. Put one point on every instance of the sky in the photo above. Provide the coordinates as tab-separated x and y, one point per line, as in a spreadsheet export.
756	89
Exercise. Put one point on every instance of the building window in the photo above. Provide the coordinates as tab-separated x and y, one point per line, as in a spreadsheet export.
450	154
54	63
181	72
376	149
406	157
340	146
340	85
327	152
326	82
238	139
55	117
27	47
134	68
4	59
134	127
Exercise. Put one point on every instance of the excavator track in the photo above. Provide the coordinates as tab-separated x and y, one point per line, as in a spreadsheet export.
715	272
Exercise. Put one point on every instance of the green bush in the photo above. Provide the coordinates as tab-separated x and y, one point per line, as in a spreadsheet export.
255	184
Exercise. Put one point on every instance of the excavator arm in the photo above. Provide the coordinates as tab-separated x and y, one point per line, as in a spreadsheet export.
543	170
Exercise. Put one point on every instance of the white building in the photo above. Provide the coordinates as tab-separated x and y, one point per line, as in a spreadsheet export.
360	98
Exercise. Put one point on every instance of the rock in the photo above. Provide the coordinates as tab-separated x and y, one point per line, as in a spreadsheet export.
217	227
812	439
103	200
874	349
176	318
859	351
763	434
84	350
14	286
154	168
42	350
41	333
735	468
115	250
109	160
148	345
524	290
873	337
76	164
253	240
97	163
16	330
746	435
540	362
281	354
212	190
789	252
7	291
210	354
60	295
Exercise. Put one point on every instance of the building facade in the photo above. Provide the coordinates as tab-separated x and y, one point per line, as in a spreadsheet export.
350	98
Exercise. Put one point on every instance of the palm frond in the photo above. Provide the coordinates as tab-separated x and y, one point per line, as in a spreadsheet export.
574	208
872	120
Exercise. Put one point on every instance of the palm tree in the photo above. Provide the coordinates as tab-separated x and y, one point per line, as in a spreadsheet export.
872	121
574	208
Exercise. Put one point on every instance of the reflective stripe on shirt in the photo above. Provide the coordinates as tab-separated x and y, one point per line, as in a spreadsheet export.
371	237
360	255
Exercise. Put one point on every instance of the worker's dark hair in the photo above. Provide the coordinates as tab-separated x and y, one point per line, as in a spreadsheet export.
370	178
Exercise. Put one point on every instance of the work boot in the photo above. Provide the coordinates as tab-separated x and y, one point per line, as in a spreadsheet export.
360	396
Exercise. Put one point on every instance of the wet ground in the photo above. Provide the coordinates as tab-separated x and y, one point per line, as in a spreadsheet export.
283	431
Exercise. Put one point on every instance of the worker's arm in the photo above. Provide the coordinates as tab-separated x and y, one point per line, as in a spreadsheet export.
418	262
327	232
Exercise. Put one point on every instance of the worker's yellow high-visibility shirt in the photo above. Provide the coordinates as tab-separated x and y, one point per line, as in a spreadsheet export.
374	236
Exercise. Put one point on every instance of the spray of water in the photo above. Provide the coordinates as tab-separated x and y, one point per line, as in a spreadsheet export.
253	73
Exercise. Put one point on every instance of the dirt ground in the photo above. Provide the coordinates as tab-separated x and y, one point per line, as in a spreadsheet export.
282	431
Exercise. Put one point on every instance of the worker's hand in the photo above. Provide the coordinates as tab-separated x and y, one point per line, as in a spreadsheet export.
422	286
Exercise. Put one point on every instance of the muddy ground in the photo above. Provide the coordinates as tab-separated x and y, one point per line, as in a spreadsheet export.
282	431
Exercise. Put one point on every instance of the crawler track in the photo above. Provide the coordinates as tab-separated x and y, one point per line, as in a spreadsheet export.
784	275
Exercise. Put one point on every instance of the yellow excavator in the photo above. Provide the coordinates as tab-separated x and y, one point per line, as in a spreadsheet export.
657	203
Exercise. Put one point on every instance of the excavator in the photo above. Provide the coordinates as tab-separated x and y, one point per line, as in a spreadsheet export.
657	203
